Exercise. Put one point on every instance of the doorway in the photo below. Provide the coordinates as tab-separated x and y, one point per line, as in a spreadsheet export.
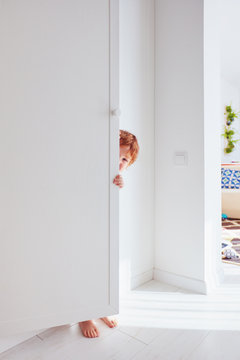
230	149
170	98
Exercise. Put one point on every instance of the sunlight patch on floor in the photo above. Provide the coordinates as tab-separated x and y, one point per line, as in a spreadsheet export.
160	305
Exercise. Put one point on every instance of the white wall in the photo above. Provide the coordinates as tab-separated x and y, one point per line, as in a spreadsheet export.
137	107
230	94
179	128
230	59
229	39
187	120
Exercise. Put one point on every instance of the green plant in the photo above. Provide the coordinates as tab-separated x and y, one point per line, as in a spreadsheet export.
228	132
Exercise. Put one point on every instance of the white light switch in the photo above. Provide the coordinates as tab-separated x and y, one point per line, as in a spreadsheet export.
180	158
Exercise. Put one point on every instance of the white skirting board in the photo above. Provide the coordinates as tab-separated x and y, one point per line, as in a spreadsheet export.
180	281
140	279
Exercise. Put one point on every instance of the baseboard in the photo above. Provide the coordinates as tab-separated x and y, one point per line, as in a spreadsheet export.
180	281
140	279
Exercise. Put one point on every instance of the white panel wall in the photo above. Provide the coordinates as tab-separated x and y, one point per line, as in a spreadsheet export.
179	247
137	106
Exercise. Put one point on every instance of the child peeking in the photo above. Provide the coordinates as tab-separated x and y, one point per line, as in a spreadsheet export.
128	153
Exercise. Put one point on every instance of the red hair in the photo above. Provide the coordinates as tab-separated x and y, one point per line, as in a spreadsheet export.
128	139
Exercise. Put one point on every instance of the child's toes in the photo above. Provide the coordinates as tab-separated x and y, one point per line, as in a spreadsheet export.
110	322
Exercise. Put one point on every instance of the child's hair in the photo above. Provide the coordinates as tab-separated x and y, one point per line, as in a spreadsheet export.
128	139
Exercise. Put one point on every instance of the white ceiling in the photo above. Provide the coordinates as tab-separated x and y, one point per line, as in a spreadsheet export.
230	40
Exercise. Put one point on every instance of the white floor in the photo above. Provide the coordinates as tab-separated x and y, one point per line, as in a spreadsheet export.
148	340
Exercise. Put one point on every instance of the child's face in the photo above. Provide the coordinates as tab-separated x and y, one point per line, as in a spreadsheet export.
124	157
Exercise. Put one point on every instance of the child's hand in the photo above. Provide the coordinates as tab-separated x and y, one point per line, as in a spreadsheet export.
118	180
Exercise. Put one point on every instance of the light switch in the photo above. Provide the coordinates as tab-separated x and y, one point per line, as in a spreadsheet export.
180	158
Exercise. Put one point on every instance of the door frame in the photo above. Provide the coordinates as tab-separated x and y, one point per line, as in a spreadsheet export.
114	154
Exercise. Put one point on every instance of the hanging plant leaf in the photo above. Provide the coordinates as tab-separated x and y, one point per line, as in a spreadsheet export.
228	132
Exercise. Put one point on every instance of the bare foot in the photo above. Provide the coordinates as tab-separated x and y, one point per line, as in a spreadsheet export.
89	329
110	322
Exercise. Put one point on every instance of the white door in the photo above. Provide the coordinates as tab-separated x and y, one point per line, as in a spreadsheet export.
58	156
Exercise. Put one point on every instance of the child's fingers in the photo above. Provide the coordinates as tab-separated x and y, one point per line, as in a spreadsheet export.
118	180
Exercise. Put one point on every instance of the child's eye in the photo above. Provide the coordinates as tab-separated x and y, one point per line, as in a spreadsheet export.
125	159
